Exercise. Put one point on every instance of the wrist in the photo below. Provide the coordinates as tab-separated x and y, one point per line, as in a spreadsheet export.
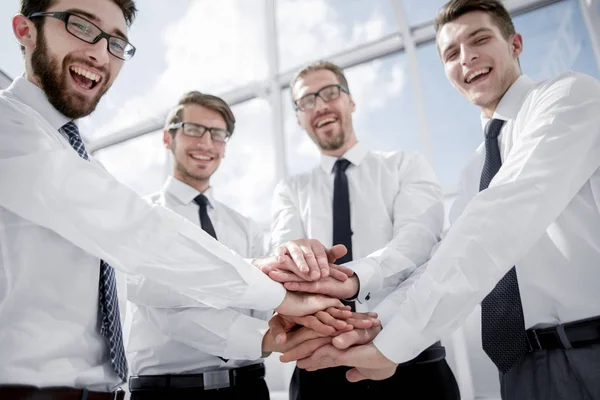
354	284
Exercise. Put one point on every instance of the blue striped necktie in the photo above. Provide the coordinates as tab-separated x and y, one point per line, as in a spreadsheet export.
503	335
108	302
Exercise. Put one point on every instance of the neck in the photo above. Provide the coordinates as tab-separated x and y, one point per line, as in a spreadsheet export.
488	110
200	185
337	153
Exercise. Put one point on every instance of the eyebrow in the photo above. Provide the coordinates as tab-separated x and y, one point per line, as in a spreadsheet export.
96	20
474	33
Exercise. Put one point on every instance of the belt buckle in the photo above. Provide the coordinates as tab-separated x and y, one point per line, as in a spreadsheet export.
216	379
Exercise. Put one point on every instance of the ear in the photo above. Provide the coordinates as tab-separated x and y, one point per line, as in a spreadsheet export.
167	138
298	120
352	104
516	43
24	31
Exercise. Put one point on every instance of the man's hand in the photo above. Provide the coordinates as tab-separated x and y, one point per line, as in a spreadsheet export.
327	286
301	304
368	362
338	272
284	335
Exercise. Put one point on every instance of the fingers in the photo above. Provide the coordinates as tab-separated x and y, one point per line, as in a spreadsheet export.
355	337
321	258
282	276
339	272
305	349
304	258
306	287
337	251
363	320
324	357
314	323
279	326
328	320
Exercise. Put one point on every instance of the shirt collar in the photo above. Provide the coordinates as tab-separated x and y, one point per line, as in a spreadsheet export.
513	99
354	154
185	193
34	97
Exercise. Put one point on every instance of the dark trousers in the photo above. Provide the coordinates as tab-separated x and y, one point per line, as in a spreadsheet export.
428	381
556	374
257	390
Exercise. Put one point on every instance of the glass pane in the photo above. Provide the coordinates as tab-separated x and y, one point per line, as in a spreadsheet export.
139	163
246	177
384	118
555	40
312	29
182	46
420	11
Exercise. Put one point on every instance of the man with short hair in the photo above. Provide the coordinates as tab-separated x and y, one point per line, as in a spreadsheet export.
385	208
65	222
525	234
175	352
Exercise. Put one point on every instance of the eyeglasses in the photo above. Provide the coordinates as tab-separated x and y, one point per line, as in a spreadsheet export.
327	93
89	32
196	130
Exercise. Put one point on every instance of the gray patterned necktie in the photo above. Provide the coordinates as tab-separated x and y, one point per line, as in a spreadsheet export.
502	323
108	303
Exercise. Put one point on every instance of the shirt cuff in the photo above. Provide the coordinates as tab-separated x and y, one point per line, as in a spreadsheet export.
369	278
245	338
412	344
263	294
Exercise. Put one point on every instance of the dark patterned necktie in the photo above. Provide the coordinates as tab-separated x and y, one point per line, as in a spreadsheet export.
108	302
342	229
502	322
205	221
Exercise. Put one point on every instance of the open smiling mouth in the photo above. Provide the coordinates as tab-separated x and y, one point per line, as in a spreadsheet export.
83	78
477	75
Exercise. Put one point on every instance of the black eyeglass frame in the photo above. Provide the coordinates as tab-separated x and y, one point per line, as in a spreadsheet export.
342	88
204	129
64	17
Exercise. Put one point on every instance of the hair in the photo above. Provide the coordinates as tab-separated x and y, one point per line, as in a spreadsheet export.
494	8
319	66
29	7
205	100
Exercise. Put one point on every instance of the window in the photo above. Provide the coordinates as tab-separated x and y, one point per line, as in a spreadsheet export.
139	163
384	118
311	29
421	11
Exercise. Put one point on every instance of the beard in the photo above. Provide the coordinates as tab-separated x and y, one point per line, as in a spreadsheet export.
53	80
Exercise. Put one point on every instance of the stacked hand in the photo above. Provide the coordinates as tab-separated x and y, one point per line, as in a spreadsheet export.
311	325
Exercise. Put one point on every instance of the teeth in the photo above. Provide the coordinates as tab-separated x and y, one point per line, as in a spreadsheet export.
87	74
203	158
325	121
475	74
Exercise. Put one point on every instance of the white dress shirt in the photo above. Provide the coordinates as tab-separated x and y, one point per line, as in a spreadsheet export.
59	215
396	215
541	213
191	340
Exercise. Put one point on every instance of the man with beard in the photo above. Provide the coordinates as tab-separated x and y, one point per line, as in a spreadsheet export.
386	208
64	219
193	344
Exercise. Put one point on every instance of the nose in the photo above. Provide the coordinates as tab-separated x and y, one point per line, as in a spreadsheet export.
98	52
321	105
467	55
204	142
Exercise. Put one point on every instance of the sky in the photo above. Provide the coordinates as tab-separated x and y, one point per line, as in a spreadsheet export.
215	46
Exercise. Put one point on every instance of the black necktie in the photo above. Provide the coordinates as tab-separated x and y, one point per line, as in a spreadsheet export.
342	229
205	222
108	304
502	322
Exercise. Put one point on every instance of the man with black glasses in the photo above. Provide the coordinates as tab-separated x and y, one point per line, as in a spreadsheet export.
65	222
386	208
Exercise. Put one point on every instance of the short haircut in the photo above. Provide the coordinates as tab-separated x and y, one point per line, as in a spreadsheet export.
205	100
319	66
494	8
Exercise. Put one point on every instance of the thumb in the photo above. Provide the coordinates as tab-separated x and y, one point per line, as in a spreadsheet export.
346	339
337	251
354	375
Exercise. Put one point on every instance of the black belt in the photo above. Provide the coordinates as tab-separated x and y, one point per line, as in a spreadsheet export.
23	392
565	336
218	379
436	352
